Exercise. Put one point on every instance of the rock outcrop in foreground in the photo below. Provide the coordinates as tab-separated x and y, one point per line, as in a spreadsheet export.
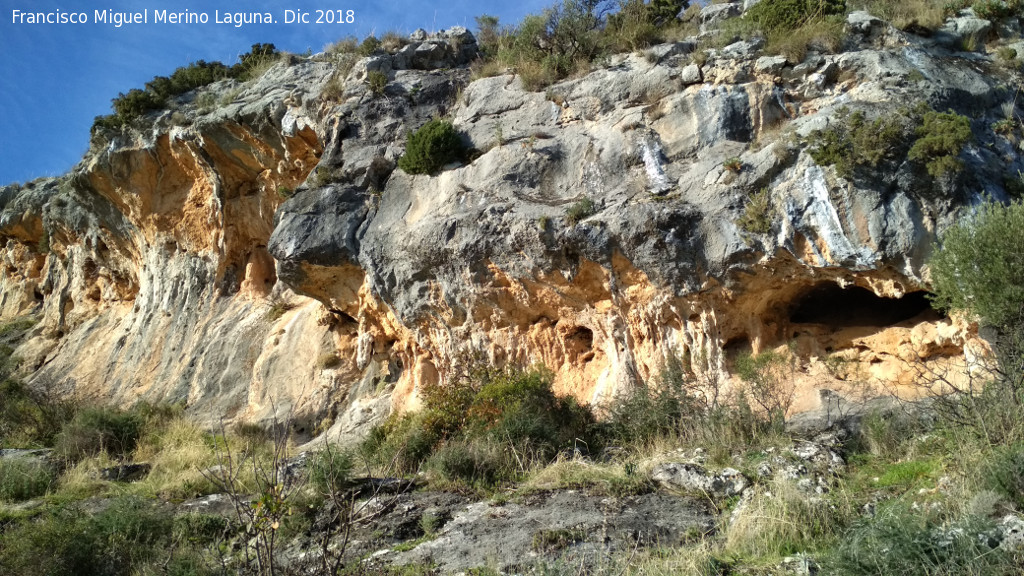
169	265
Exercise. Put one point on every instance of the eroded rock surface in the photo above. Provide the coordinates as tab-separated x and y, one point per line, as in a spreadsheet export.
168	265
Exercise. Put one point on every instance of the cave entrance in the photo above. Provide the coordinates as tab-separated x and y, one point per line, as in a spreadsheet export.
838	307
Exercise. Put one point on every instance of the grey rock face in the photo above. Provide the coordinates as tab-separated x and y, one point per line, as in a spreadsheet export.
712	15
965	30
152	282
770	64
506	536
863	23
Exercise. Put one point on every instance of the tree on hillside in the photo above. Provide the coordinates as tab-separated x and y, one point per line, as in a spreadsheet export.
978	268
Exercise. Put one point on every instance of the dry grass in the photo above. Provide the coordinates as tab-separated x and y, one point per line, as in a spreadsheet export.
930	14
392	41
615	478
178	454
347	45
822	34
535	75
696	559
486	69
81	480
779	519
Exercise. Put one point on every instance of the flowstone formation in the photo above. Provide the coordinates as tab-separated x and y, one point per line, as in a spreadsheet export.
264	256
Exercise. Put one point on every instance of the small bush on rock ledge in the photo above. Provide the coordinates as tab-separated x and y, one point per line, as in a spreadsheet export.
428	149
487	427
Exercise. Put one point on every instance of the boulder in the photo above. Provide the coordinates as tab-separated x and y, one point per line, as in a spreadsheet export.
125	472
691	74
770	64
695	478
712	15
964	31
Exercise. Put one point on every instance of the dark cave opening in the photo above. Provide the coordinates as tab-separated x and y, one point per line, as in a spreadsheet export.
838	307
579	343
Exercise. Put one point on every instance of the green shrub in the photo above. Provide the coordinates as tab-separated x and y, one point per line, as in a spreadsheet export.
821	34
636	24
488	34
899	540
940	139
28	419
886	434
377	81
977	268
652	411
199	529
994	9
768	377
331	469
476	463
430	148
852	141
1006	126
44	242
1014	185
369	46
783	15
131	106
546	47
96	430
475	427
328	360
1003	473
402	443
571	34
520	408
24	479
117	541
580	211
136	103
186	78
255	62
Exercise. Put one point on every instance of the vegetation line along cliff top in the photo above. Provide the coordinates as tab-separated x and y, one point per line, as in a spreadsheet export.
634	287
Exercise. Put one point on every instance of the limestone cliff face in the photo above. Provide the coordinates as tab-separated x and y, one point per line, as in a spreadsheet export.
168	266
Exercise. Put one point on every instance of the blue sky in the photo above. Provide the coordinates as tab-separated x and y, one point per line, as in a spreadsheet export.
55	78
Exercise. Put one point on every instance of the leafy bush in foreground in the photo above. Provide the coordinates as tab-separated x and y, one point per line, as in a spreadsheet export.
485	427
785	15
119	540
979	268
909	542
24	479
95	430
